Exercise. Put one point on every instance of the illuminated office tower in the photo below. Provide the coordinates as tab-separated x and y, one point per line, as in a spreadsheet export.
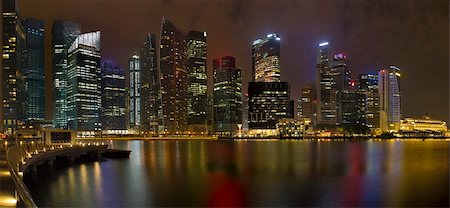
268	102
368	85
325	86
227	96
84	83
306	103
13	43
150	96
389	91
135	92
64	34
342	86
113	97
174	79
197	82
266	59
34	71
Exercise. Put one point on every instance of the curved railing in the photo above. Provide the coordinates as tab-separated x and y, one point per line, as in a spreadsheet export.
19	157
16	156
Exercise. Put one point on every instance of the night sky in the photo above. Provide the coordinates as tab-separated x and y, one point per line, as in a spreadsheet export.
413	35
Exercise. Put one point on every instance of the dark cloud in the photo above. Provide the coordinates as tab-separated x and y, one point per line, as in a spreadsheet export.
412	34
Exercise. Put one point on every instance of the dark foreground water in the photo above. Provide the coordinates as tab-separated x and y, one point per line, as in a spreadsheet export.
271	173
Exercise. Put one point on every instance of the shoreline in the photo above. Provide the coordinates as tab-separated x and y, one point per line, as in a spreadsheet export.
187	138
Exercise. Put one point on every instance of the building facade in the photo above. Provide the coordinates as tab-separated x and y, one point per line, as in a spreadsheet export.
135	92
268	102
227	96
113	97
150	95
84	83
325	86
13	61
174	79
197	81
64	34
352	110
389	91
34	71
266	59
306	103
368	85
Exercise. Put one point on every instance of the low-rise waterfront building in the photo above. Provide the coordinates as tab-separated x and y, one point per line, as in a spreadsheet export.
424	124
288	127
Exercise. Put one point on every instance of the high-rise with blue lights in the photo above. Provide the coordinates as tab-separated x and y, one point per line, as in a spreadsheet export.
389	90
84	83
64	34
113	97
197	81
368	85
135	92
34	71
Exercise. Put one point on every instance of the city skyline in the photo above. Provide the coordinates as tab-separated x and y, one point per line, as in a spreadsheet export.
298	39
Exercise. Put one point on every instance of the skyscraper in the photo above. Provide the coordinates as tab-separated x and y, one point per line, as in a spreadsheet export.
266	59
174	79
84	83
268	103
34	72
13	43
135	91
64	34
305	103
269	98
227	96
341	84
113	97
151	122
389	91
325	86
197	82
368	85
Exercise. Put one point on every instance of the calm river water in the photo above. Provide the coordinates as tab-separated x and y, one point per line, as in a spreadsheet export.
253	173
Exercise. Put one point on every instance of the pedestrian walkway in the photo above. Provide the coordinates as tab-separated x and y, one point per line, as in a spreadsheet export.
7	189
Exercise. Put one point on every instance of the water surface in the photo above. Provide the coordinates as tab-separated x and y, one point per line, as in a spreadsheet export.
263	173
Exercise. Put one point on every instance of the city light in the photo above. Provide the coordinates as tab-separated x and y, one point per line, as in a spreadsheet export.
323	44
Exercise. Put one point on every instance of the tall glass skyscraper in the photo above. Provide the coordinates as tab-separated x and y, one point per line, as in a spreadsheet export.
34	71
84	78
174	79
344	93
113	97
135	92
266	59
227	96
13	43
64	34
389	90
197	82
325	92
368	85
151	122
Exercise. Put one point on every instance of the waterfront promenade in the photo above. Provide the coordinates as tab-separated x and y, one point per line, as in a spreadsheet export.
23	158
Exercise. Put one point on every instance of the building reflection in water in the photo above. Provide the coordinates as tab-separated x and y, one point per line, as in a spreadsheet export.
263	173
